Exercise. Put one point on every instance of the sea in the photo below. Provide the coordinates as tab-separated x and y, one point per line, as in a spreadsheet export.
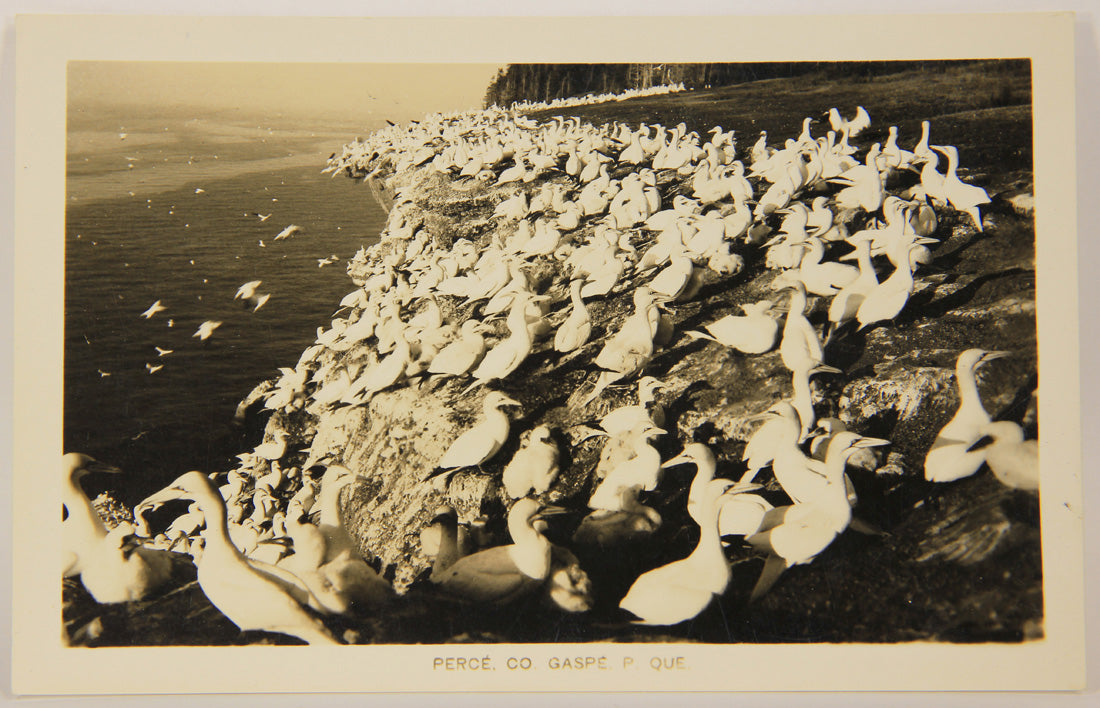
184	211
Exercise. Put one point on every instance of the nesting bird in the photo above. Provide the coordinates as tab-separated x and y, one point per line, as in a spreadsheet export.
950	457
112	565
248	597
482	441
503	573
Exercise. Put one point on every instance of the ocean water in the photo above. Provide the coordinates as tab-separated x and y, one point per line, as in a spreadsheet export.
137	232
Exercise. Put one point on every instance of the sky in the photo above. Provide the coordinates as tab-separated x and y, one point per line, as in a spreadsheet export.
363	93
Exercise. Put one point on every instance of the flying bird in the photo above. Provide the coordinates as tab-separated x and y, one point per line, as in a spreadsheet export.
153	309
153	369
248	290
206	329
163	352
288	232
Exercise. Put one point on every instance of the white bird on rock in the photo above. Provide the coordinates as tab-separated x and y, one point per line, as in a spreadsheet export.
642	468
325	558
577	327
754	333
463	354
801	347
628	351
646	412
1013	460
534	467
962	196
950	458
508	354
248	597
112	564
481	442
611	528
796	534
780	422
504	573
682	589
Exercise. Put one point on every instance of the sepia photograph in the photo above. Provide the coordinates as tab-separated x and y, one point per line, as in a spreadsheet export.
555	356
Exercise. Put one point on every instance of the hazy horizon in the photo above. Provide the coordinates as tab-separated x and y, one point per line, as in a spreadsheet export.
360	96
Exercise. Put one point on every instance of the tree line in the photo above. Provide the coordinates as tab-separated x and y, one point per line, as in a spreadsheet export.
545	82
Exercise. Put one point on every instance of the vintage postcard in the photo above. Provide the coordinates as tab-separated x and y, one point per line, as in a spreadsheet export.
544	354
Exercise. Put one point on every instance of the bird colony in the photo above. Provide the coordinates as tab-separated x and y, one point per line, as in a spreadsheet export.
589	99
568	218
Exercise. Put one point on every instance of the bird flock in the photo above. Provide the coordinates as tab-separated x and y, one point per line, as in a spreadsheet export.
646	214
591	98
248	293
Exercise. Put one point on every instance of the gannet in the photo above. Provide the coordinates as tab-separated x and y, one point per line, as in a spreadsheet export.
112	565
823	278
701	456
962	196
445	541
646	412
482	441
534	467
865	189
760	450
504	573
627	351
642	468
800	348
860	122
274	449
682	589
508	354
754	333
288	232
846	303
1013	460
246	291
577	327
796	534
886	300
742	514
206	329
382	375
679	281
325	558
249	598
921	148
163	352
463	354
949	457
567	586
259	301
931	181
801	397
153	369
153	309
630	523
119	569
